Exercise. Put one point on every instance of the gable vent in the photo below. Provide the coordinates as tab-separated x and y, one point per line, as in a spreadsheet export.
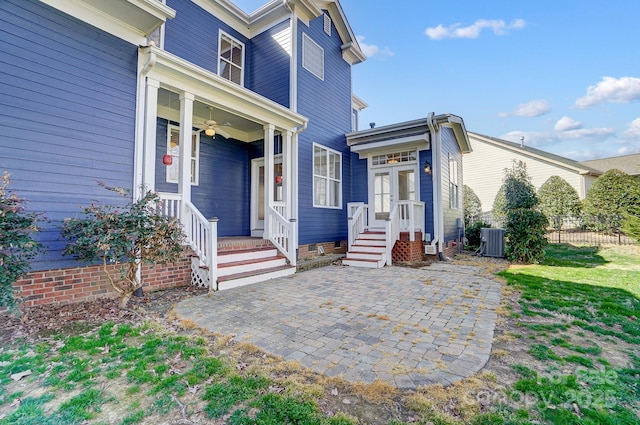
312	57
327	24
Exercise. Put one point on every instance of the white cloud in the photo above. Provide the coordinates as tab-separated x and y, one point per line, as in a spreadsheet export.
611	90
567	123
498	26
633	132
535	108
371	50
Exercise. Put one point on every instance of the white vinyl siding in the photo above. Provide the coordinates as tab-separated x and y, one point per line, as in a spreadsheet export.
230	58
173	149
312	57
327	177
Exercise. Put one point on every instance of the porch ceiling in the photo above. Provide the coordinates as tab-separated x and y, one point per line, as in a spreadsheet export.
245	111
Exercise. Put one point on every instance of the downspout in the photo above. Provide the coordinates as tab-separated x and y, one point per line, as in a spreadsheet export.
438	229
138	178
294	158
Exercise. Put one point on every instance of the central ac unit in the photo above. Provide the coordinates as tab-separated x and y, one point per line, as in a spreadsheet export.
491	242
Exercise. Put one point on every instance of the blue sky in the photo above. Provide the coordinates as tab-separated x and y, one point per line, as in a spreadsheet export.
565	75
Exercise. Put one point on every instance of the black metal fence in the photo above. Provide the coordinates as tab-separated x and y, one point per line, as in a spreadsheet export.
592	230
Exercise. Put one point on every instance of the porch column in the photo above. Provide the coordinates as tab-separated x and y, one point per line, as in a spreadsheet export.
150	122
186	128
269	177
287	176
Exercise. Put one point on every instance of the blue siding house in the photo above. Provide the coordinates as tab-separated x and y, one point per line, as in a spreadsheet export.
246	124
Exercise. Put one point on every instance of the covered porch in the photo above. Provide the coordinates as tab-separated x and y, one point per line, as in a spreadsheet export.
221	157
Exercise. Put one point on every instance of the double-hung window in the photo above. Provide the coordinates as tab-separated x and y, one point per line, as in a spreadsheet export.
173	149
231	58
327	177
453	184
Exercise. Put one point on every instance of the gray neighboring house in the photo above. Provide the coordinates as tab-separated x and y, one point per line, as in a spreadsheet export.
484	167
630	164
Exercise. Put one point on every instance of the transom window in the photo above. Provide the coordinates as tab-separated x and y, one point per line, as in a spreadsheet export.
394	158
231	58
312	57
327	177
173	149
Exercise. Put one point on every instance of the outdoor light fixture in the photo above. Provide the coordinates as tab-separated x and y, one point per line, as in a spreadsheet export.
427	167
167	159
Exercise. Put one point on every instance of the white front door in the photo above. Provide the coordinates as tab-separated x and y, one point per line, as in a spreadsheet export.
387	185
257	192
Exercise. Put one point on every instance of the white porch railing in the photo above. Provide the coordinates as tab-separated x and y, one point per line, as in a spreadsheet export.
283	233
202	234
358	213
392	230
411	217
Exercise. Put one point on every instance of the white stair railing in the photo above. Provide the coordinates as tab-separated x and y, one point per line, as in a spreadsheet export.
358	213
392	231
411	217
283	233
202	234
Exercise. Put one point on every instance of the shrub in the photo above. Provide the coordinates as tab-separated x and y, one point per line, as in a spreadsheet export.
17	247
471	203
472	233
525	227
126	235
613	194
498	209
631	224
558	198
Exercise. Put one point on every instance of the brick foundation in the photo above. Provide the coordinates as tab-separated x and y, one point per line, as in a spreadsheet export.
66	286
311	250
450	248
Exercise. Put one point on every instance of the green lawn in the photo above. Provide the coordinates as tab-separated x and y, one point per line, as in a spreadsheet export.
577	301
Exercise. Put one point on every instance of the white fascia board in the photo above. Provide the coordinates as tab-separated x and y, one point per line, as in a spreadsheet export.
177	74
351	51
421	142
131	21
357	103
228	13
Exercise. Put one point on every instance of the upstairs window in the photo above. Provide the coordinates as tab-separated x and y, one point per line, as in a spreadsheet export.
454	198
173	149
312	57
327	177
231	59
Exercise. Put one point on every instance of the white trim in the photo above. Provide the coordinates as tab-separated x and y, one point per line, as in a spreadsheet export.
222	34
257	225
293	69
135	19
327	178
393	170
305	42
420	142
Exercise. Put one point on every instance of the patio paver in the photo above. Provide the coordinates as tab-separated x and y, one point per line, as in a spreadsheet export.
409	327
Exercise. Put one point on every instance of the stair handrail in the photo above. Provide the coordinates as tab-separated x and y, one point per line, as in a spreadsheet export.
392	231
202	233
357	214
283	234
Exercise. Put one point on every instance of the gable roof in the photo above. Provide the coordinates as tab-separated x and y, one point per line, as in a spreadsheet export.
630	164
538	154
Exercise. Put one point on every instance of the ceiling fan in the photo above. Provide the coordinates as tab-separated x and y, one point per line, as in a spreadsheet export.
211	127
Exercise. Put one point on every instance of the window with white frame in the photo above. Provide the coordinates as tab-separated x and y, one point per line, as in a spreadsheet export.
327	177
173	149
230	58
454	198
394	158
312	57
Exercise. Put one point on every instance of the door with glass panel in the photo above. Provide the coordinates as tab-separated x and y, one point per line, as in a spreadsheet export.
258	193
387	186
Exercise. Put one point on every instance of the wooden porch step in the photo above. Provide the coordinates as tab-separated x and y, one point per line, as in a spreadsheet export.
254	276
247	265
360	262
